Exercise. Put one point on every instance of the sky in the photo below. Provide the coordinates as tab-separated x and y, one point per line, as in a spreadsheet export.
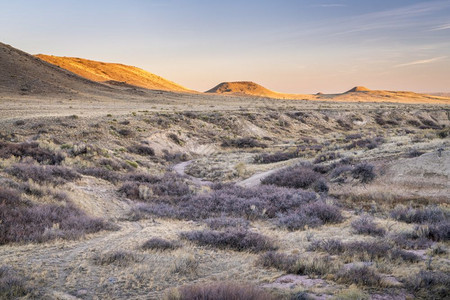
291	46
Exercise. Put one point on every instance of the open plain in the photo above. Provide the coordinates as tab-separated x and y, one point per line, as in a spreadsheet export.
114	191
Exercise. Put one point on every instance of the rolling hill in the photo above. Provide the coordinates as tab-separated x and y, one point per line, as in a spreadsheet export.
249	88
356	94
112	73
22	73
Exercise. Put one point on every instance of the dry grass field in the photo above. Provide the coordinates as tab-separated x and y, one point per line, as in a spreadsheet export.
127	193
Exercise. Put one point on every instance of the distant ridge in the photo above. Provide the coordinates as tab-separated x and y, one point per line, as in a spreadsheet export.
114	74
357	89
24	74
249	88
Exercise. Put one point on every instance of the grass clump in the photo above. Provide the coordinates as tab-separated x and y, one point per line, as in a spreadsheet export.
359	275
430	214
12	286
22	150
364	172
295	264
268	158
244	142
366	225
236	239
43	174
226	222
219	290
119	258
429	284
160	244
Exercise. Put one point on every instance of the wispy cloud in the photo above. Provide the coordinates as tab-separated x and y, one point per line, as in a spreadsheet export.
421	62
441	27
331	5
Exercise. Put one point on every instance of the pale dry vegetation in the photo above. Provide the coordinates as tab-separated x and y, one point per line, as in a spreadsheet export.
182	204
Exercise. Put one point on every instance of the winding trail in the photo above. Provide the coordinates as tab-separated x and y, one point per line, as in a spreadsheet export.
252	181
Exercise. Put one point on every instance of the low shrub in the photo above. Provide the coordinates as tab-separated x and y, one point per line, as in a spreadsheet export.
160	244
12	286
298	221
43	174
245	142
268	158
298	177
364	172
415	153
280	261
326	157
219	290
226	222
311	215
431	214
102	173
363	251
410	240
331	246
369	143
359	275
141	150
119	257
23	221
294	264
366	225
236	239
22	150
175	139
429	284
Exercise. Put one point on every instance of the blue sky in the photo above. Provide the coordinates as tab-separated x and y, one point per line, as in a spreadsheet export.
288	46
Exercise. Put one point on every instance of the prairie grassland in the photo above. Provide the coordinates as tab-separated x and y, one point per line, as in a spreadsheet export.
270	198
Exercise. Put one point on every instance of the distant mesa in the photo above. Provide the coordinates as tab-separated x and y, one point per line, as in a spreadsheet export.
113	74
358	89
241	87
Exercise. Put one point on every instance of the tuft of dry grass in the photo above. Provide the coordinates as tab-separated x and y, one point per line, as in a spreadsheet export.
219	290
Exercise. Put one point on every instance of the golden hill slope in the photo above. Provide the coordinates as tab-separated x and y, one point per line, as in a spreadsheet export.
112	73
22	73
248	88
356	94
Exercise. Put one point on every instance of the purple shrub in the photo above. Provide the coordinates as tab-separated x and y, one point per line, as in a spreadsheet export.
25	222
280	261
236	239
226	222
268	158
364	172
298	177
245	142
431	214
141	150
32	150
366	225
43	174
102	173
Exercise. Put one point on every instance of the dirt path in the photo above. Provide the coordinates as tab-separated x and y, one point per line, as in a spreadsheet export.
180	169
252	181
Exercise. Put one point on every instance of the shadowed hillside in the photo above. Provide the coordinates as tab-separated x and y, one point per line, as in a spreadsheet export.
22	73
112	73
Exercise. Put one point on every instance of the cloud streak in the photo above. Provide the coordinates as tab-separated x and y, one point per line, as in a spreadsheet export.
331	5
442	27
421	62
